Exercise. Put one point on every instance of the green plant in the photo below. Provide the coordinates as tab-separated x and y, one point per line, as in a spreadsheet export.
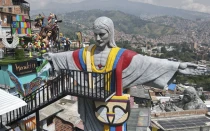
19	54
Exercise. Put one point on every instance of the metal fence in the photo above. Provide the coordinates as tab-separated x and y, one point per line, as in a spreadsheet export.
95	86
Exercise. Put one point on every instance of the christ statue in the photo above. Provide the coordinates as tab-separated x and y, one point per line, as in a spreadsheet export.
137	69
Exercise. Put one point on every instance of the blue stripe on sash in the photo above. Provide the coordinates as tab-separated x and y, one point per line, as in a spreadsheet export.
112	128
81	59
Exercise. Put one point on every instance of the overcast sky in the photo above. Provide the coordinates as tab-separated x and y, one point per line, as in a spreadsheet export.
195	5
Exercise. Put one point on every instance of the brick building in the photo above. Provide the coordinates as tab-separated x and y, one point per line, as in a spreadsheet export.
61	125
8	11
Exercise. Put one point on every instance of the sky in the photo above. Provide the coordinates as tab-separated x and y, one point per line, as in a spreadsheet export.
193	5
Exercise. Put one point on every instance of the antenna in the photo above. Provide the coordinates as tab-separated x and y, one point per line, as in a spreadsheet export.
43	14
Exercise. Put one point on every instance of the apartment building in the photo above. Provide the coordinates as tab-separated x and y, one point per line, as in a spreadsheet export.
9	9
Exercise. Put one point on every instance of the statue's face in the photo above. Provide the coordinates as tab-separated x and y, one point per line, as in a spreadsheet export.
49	33
102	37
186	98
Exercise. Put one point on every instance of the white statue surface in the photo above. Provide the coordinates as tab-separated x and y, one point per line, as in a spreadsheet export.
138	69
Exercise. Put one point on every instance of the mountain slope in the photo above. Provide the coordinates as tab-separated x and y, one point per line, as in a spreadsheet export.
134	8
129	24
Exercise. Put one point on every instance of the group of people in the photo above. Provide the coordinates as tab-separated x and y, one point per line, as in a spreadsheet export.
66	43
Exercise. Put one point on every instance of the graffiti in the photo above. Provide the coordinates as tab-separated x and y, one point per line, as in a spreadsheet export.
27	88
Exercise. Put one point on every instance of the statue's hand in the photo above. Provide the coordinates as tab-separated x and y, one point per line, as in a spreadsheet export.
187	68
47	56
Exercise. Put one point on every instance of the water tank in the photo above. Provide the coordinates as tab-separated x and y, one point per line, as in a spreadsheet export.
1	53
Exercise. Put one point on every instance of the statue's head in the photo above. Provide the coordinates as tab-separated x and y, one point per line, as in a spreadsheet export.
103	29
190	94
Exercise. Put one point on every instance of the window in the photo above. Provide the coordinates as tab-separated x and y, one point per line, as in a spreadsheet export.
1	8
9	18
10	9
15	2
50	120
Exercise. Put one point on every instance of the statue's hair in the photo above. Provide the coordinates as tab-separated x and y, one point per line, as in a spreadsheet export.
107	24
192	92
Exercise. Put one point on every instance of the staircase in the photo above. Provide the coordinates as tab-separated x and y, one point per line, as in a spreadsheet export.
69	82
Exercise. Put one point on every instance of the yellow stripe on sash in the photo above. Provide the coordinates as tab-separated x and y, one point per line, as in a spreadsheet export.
106	127
109	62
123	97
84	54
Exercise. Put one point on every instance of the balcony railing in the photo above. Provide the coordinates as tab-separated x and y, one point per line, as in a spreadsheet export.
90	85
25	6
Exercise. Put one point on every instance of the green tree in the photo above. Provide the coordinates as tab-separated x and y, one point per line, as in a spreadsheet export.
163	49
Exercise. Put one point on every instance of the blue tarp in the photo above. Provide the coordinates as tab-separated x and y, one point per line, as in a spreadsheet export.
172	87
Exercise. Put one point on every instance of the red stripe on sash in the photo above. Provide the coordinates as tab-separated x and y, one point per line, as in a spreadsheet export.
127	57
119	128
123	63
76	59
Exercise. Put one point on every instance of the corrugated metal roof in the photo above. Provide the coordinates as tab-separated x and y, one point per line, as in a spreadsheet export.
140	92
9	102
184	123
139	119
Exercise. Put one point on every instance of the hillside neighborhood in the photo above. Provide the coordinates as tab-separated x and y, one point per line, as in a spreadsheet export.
96	66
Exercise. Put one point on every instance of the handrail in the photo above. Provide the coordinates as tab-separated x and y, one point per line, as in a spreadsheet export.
102	88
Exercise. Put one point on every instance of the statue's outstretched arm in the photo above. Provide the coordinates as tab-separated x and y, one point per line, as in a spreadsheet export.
149	71
62	60
48	56
187	68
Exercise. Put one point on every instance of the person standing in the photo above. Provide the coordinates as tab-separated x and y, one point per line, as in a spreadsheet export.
68	42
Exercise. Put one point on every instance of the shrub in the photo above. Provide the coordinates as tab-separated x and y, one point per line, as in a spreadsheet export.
19	54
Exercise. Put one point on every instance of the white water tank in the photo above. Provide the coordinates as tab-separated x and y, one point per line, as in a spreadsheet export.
1	53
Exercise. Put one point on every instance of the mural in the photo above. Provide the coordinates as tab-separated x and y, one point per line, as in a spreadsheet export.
20	26
25	89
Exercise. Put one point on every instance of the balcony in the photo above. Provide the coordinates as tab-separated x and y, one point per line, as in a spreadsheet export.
96	86
22	3
89	85
25	6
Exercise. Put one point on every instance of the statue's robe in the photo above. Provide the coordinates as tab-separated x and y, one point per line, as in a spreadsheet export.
136	69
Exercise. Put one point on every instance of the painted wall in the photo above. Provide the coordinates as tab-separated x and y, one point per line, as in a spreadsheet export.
5	80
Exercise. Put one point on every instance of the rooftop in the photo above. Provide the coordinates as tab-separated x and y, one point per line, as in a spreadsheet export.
65	109
185	122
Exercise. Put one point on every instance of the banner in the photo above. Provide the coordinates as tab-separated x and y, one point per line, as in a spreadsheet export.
26	67
44	67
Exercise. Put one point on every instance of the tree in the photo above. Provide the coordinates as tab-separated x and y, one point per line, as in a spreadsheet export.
92	41
163	49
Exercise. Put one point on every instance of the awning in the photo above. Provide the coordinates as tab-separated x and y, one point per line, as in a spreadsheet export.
172	87
9	102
